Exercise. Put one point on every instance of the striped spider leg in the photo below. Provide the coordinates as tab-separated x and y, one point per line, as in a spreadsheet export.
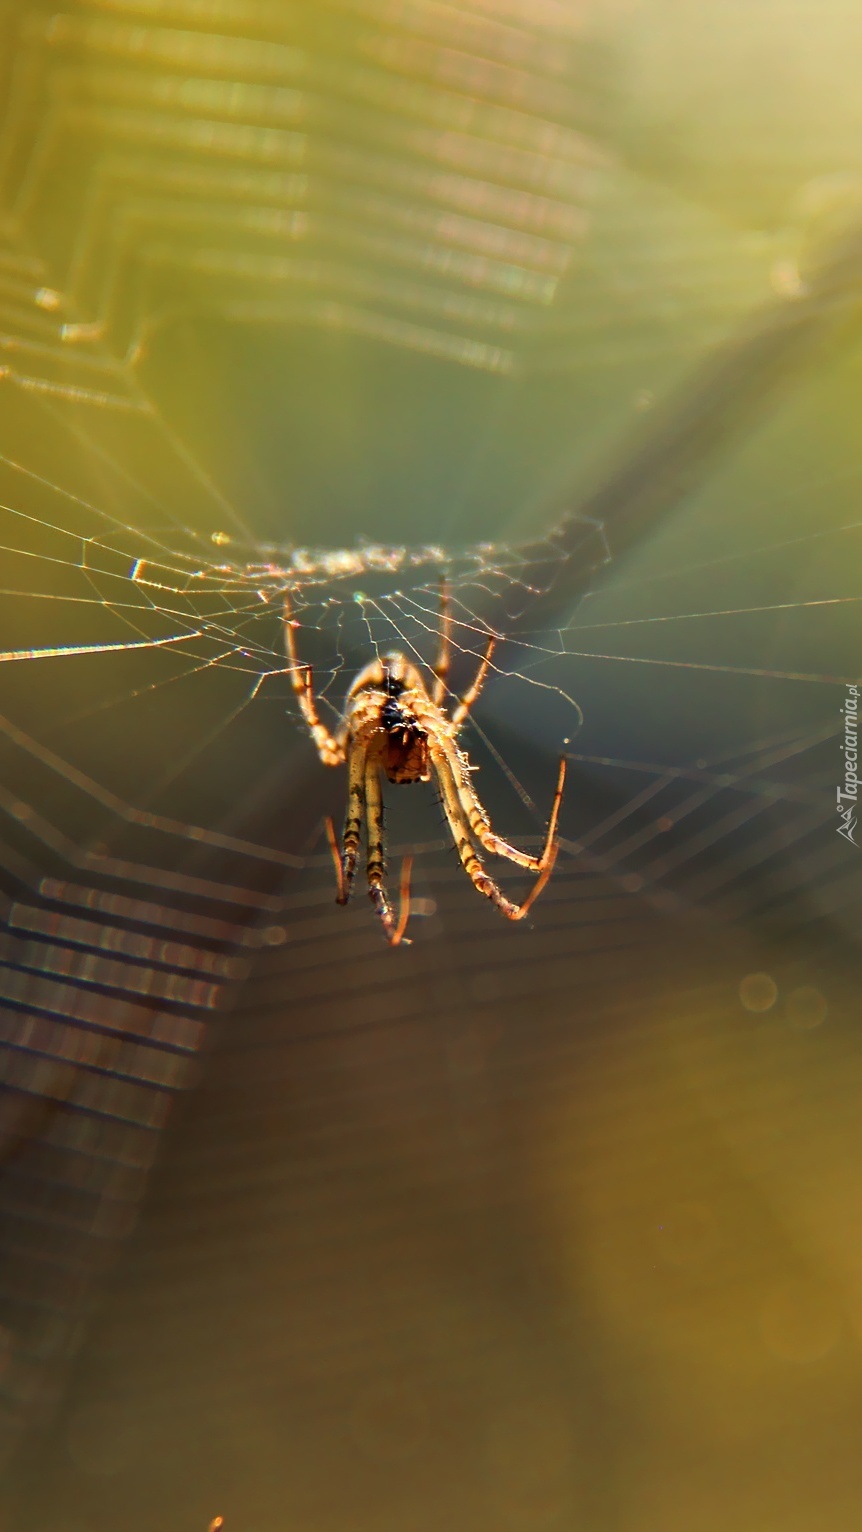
330	747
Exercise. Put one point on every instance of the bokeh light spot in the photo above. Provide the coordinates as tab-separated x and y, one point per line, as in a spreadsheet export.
799	1322
807	1008
758	992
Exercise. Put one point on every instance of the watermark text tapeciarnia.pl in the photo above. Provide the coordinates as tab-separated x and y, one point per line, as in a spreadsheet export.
848	793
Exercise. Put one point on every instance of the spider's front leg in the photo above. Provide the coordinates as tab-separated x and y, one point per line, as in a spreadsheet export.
330	747
376	862
357	777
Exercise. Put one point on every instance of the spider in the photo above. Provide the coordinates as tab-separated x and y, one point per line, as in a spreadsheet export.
393	723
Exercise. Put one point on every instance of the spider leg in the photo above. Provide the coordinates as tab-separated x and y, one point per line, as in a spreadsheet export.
376	862
478	821
444	654
332	838
356	789
404	903
499	847
540	882
470	860
467	698
329	748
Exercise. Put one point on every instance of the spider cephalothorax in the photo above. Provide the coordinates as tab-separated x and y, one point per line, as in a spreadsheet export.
394	724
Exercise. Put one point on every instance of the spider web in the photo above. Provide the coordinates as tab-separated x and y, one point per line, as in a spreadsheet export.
169	637
146	600
162	801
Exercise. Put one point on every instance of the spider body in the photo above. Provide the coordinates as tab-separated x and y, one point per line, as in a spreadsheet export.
381	706
394	725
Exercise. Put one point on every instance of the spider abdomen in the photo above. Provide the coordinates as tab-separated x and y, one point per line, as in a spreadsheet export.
405	746
406	760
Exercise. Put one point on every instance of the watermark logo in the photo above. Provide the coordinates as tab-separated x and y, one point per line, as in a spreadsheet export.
847	796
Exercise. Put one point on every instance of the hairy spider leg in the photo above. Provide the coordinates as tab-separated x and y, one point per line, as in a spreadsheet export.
403	893
444	654
480	825
356	790
461	822
499	847
540	882
470	860
443	663
376	862
329	748
467	698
